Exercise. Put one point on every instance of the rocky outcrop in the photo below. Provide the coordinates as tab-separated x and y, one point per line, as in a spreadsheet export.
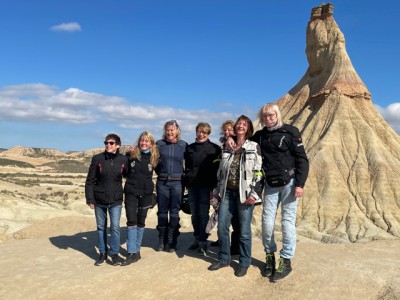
18	151
352	193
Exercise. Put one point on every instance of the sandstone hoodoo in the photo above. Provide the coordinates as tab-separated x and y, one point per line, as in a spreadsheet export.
352	193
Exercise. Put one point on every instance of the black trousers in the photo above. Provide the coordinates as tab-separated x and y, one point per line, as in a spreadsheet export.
136	208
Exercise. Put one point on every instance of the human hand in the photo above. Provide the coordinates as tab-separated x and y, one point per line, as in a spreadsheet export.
214	194
230	144
250	200
298	192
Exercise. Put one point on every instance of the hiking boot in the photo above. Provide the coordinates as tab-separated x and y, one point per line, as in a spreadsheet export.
137	257
217	265
115	260
161	238
160	246
241	271
194	246
131	258
170	248
283	270
202	249
102	258
269	268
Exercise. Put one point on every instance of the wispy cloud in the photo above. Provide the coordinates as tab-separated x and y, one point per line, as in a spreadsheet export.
46	104
391	114
69	27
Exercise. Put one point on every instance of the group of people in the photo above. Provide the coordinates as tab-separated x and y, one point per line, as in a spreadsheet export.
269	166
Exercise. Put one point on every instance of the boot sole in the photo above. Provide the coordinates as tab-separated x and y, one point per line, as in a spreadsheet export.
275	280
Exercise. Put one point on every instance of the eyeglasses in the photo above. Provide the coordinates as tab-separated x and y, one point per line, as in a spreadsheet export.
201	131
269	115
109	142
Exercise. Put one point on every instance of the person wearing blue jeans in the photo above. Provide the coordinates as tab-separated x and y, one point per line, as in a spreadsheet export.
285	166
139	189
104	194
169	185
239	187
229	205
273	197
201	168
101	221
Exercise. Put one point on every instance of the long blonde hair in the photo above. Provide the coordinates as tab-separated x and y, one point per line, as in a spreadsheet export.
155	155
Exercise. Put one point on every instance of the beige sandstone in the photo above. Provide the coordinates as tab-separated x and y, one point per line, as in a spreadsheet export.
352	193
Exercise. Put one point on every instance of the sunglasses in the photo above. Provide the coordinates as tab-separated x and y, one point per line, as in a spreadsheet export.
111	143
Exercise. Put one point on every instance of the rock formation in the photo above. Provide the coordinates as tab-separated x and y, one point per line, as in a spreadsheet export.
352	193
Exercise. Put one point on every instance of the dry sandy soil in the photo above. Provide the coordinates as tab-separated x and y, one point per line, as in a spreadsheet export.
53	259
47	242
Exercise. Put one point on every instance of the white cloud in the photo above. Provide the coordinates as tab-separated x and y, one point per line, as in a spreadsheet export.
391	114
77	97
46	104
69	27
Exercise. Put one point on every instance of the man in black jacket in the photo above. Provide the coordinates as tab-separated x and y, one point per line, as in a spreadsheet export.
104	193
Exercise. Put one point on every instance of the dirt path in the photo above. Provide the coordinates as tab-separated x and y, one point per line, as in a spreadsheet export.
56	262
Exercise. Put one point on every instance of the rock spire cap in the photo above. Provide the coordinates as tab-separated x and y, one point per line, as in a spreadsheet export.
322	12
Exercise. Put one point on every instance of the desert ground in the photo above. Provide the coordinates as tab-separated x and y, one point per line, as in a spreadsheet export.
48	238
53	259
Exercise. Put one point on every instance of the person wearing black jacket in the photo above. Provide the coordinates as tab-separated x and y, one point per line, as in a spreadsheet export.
200	178
286	166
103	192
139	188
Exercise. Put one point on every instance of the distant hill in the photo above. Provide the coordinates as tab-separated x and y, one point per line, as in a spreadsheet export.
20	151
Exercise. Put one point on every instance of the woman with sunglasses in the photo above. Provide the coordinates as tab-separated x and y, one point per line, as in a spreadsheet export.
169	185
138	190
104	193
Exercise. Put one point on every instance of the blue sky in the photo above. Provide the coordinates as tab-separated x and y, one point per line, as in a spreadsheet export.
73	71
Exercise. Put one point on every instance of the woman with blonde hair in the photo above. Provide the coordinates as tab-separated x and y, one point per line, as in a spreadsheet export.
169	185
285	166
139	189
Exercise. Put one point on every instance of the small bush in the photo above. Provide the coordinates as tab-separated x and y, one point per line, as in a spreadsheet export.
16	163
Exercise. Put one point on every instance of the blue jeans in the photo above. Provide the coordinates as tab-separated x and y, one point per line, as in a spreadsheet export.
101	221
199	200
169	199
228	205
273	197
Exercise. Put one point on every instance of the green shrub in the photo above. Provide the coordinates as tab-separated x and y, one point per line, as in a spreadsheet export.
15	163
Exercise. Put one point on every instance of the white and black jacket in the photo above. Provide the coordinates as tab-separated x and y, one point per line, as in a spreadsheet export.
251	179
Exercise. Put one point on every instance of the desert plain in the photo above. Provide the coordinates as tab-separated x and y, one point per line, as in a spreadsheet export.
48	249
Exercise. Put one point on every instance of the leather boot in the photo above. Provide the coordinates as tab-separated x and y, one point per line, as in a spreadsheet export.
161	237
